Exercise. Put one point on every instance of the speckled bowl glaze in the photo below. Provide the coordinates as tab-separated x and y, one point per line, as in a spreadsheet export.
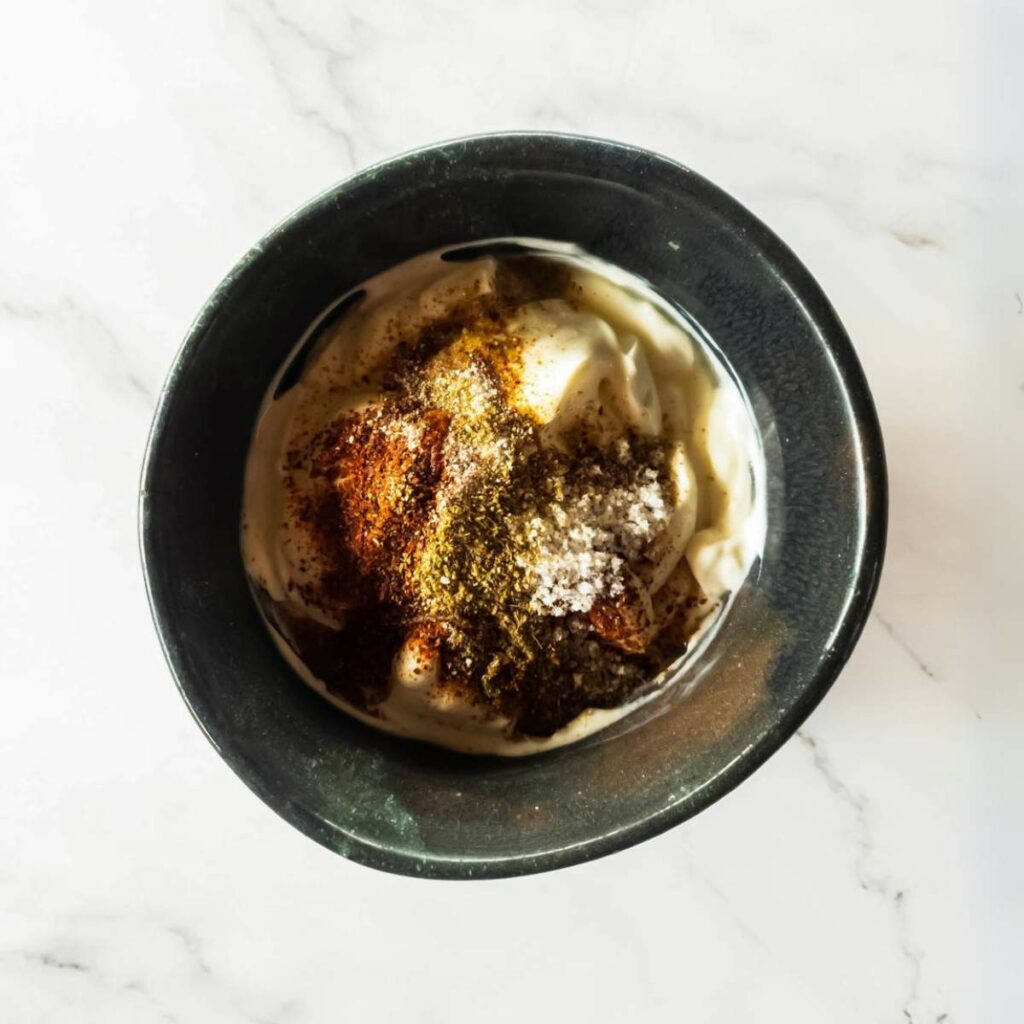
406	807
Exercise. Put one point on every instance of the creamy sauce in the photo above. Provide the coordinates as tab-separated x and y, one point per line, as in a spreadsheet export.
617	346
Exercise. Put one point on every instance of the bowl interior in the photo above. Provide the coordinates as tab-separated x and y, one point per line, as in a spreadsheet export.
407	807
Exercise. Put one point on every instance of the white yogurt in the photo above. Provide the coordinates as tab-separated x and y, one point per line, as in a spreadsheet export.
617	346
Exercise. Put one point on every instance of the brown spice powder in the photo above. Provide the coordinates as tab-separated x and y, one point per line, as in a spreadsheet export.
413	518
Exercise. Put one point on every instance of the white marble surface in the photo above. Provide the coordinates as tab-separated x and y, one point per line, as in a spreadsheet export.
871	872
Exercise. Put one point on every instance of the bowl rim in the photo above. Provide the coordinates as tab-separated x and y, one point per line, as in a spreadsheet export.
833	337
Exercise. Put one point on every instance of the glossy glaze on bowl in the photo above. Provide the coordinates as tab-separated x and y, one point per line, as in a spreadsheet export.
406	807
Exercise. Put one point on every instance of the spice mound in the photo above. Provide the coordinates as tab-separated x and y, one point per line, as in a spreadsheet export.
498	502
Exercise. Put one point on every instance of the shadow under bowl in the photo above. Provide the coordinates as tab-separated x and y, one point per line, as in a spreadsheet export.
406	807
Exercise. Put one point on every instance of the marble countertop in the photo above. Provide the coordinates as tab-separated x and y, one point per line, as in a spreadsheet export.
870	872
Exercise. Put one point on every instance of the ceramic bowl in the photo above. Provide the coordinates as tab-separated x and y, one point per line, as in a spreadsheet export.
406	807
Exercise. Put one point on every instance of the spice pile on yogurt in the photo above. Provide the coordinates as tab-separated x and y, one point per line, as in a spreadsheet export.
492	502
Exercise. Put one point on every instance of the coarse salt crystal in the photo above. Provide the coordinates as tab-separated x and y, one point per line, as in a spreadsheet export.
582	547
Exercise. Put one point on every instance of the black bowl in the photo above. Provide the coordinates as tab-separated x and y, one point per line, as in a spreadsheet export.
407	807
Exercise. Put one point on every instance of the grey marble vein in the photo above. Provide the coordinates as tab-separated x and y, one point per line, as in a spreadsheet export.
316	48
878	884
916	239
193	945
702	879
67	311
110	980
55	961
848	210
108	986
903	645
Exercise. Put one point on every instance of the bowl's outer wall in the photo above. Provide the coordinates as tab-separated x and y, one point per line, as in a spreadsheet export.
406	807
